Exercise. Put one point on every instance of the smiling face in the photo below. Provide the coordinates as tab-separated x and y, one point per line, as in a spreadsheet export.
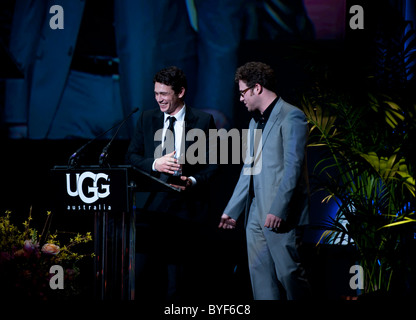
169	101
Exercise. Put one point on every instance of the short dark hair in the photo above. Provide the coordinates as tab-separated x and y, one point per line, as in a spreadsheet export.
256	72
172	76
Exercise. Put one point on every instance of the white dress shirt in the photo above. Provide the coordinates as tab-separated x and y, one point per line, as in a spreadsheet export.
179	128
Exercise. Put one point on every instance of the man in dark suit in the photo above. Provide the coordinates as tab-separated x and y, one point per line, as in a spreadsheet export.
169	223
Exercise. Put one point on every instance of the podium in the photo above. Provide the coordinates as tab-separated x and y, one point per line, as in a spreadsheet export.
108	195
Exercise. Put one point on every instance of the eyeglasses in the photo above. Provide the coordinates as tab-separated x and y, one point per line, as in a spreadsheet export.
243	92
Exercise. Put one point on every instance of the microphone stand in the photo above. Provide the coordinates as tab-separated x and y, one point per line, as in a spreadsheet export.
74	158
103	159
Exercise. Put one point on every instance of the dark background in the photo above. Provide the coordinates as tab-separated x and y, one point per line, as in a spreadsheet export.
26	163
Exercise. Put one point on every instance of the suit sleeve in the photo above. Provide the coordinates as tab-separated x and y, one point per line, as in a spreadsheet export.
26	28
238	200
136	152
206	171
295	134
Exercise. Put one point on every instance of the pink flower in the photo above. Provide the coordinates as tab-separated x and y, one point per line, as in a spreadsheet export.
20	253
29	246
50	248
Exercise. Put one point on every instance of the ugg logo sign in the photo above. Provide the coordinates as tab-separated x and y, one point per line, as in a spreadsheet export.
95	188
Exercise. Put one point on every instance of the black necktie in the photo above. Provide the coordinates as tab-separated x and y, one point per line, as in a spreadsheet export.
169	148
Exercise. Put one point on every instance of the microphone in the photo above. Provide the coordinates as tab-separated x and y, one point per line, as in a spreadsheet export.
73	159
104	153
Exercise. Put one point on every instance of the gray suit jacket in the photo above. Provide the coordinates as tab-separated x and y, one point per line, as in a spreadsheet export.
280	176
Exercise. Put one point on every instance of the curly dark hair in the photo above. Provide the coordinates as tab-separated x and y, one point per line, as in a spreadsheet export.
172	76
256	72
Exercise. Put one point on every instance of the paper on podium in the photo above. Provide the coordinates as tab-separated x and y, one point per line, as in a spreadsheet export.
147	182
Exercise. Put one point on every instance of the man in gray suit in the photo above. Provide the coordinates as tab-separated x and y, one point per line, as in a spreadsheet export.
272	188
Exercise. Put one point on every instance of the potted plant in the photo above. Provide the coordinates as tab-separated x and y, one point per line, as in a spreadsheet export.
375	194
27	257
366	137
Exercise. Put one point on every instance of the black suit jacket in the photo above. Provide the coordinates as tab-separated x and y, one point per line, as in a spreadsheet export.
191	204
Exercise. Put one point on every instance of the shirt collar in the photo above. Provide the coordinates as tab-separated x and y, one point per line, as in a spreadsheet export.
257	116
180	116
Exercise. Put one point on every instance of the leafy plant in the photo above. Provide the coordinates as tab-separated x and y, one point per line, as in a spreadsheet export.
366	137
27	256
375	194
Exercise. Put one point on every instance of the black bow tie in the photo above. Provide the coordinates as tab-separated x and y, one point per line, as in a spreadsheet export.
257	116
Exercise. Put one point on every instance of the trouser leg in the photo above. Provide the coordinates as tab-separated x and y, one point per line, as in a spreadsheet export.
90	105
275	268
288	267
264	282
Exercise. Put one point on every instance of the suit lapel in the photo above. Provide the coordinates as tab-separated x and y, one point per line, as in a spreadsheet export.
190	123
251	127
274	119
157	124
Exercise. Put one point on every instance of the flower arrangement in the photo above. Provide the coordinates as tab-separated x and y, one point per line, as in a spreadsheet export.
26	258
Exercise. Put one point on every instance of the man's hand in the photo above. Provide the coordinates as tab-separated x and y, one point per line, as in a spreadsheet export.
167	163
185	186
227	222
272	221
